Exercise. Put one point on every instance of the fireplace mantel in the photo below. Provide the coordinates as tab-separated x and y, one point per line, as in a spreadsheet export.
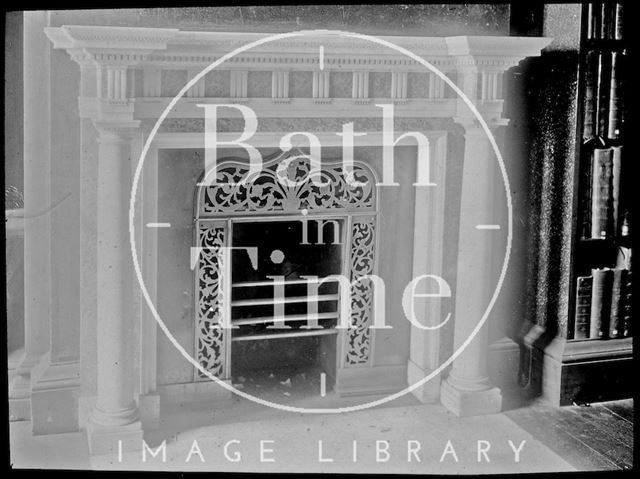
128	76
134	72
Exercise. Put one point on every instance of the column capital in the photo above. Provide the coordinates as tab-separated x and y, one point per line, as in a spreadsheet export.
480	64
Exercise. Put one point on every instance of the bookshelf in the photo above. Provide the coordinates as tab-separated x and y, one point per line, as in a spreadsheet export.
600	296
581	127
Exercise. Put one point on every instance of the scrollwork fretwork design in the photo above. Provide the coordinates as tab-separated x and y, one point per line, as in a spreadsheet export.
266	193
362	261
209	338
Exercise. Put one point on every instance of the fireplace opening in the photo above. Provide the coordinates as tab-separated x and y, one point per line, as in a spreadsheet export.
275	349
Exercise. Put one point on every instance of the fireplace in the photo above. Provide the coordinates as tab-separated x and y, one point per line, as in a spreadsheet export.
285	312
281	291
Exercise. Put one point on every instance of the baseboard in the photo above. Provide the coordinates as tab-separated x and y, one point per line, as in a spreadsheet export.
586	371
372	380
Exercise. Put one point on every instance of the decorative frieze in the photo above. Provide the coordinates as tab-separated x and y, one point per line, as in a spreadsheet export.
239	83
320	84
436	86
490	87
151	82
197	89
279	84
398	85
116	83
360	87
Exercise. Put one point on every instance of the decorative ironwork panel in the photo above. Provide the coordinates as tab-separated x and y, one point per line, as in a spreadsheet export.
266	192
362	257
210	336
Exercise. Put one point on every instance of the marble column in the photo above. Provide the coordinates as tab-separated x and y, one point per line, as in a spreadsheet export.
115	416
37	222
429	223
467	390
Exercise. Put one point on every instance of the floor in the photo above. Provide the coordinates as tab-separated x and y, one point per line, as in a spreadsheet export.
421	439
594	437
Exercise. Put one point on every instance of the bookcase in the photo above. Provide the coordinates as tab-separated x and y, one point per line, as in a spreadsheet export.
577	335
600	300
596	358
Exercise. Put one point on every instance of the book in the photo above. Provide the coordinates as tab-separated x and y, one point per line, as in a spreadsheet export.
616	169
600	303
627	292
618	23
583	307
615	119
603	88
585	193
607	11
601	195
627	325
616	317
593	20
592	62
623	260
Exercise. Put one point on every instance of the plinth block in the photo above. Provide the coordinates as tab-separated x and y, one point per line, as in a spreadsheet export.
470	403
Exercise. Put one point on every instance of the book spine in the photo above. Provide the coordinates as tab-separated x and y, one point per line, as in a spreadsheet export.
586	185
600	303
627	305
601	214
615	105
607	20
616	324
615	189
590	21
628	288
594	20
602	94
583	307
592	62
619	27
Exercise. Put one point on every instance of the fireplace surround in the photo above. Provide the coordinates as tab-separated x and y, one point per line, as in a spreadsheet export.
124	78
305	234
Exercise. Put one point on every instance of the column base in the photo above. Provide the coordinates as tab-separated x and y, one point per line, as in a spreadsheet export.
54	399
428	392
20	390
470	403
19	409
106	439
149	407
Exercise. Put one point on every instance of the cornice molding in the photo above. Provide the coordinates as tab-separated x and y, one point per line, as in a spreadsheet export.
83	36
173	45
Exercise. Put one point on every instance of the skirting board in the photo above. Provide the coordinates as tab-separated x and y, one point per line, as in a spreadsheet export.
586	371
366	381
